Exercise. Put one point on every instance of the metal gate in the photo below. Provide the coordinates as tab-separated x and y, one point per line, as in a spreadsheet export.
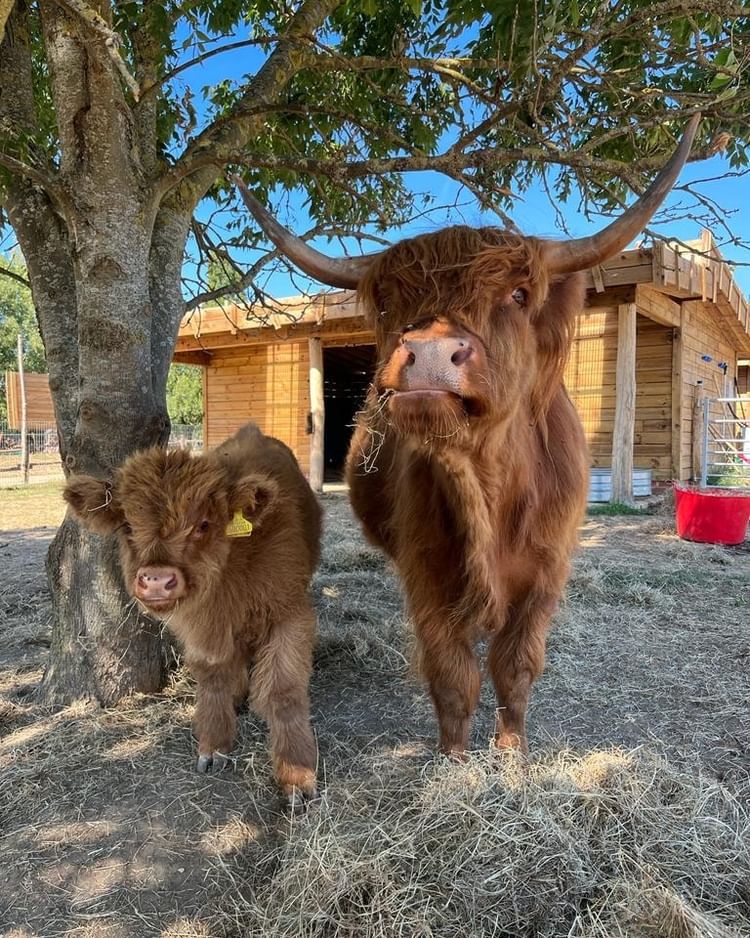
725	453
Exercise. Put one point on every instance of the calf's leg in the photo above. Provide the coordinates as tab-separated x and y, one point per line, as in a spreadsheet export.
515	661
279	692
220	688
451	669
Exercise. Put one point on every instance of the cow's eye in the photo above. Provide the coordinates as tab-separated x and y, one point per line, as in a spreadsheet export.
520	296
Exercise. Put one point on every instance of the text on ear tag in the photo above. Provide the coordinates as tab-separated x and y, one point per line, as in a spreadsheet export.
239	526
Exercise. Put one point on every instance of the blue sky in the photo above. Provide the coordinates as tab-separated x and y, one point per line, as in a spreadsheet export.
532	213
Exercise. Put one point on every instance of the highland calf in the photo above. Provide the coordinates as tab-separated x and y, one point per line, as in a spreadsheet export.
222	547
468	466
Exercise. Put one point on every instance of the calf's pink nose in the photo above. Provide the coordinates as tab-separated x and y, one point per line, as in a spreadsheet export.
154	584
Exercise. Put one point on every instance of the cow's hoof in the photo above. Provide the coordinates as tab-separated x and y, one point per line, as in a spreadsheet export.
511	742
299	800
213	763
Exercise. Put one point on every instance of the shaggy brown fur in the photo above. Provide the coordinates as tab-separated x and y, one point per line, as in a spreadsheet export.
469	464
239	606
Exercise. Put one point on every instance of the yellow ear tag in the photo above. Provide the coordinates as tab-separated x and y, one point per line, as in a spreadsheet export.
239	526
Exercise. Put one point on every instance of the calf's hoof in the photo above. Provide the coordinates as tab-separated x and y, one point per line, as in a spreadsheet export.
213	763
297	783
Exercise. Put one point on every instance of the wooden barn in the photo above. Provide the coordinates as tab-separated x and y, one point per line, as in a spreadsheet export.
662	326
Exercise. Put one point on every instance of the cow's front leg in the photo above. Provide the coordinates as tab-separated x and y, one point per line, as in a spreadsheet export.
451	669
515	661
279	692
220	688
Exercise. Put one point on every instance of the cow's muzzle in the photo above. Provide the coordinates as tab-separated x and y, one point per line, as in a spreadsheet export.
159	587
423	362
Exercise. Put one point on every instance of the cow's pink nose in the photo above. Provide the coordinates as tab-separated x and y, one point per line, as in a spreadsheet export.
159	584
434	362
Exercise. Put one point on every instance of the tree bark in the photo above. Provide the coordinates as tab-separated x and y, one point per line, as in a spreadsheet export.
102	647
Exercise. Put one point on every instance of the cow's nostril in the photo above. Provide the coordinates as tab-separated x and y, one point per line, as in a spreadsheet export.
411	358
171	583
462	354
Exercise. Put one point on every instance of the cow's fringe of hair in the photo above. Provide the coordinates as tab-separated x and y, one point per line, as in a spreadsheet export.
457	268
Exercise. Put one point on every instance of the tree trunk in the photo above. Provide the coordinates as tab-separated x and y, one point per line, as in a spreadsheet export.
130	305
102	648
105	274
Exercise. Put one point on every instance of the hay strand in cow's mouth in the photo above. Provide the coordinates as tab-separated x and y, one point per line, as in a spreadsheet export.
593	844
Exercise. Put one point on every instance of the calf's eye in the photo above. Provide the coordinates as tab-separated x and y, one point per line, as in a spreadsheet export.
200	529
520	296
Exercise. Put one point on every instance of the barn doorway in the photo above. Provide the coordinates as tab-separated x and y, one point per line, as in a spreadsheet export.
347	373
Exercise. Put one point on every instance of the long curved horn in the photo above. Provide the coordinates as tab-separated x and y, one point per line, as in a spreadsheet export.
343	272
583	253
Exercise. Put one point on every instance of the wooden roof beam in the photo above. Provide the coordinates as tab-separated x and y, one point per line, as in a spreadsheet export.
657	306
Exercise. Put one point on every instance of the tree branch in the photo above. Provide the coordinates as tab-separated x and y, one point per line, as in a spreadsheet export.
19	168
234	129
191	63
6	272
449	162
99	26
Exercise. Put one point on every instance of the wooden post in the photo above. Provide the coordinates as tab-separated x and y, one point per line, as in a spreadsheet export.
699	433
624	429
317	411
204	391
677	404
22	394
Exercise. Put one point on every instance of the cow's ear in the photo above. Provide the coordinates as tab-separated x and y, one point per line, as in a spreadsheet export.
93	503
253	495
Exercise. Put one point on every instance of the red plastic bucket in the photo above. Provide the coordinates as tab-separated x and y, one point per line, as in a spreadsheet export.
712	516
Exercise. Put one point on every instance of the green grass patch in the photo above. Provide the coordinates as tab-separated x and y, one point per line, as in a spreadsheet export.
31	506
610	509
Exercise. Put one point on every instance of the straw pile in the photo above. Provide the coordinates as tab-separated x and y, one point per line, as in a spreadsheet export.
608	843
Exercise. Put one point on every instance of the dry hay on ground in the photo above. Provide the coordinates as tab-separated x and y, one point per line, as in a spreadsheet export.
593	845
631	819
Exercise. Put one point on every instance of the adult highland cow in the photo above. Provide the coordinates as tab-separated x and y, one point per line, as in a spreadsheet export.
222	546
468	465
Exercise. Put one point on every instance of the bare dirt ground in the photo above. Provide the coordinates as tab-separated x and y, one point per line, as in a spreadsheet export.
631	819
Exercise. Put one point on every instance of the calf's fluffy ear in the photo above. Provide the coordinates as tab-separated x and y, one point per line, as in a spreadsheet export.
254	495
93	503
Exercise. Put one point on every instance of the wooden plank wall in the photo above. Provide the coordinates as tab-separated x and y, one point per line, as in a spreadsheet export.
267	384
39	408
590	378
703	333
